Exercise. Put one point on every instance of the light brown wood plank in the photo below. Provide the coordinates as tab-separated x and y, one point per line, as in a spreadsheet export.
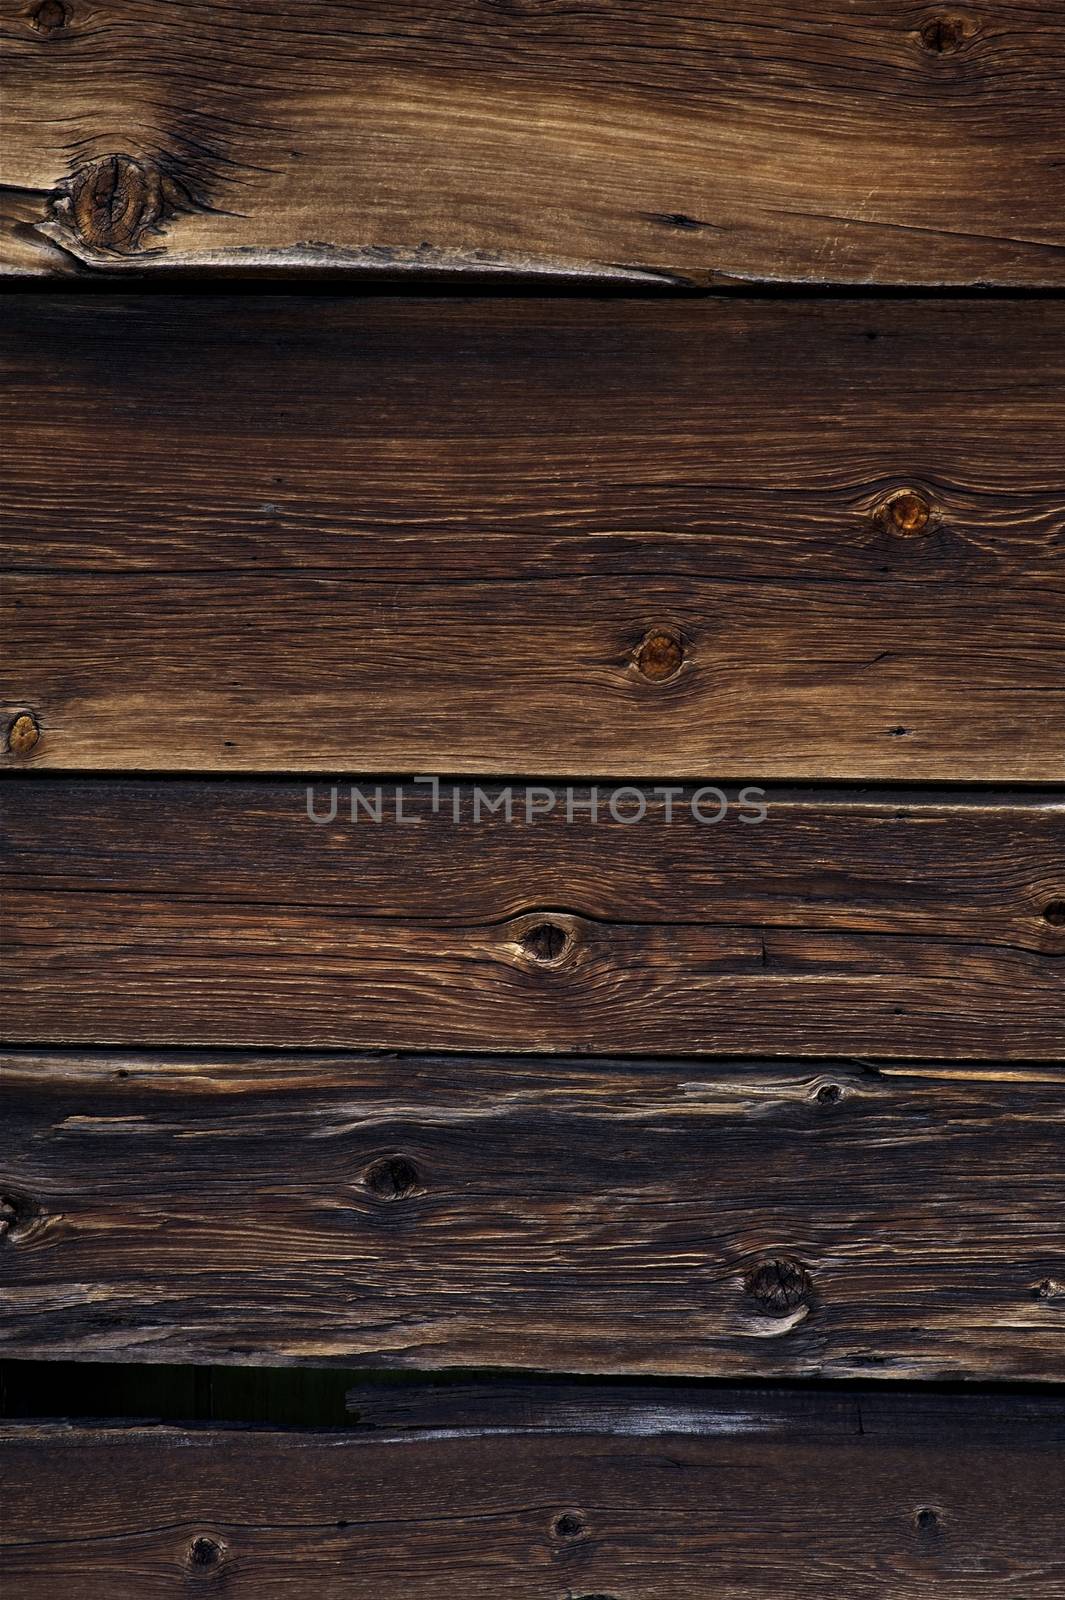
854	142
218	913
268	534
753	1496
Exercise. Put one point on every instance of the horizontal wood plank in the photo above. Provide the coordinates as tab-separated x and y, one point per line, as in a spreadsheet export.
739	540
750	1495
216	912
722	1219
856	142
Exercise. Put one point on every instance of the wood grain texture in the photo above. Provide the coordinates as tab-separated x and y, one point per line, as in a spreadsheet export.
721	1219
263	534
216	912
748	1497
857	141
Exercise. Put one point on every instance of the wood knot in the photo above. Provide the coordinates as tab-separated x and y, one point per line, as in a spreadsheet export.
779	1286
545	942
17	1213
205	1555
394	1178
660	655
112	203
49	16
829	1094
23	734
1054	913
907	513
943	35
570	1525
1049	1289
926	1520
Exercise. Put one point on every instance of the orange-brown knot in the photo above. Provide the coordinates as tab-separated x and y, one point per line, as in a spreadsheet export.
112	203
23	734
660	655
907	513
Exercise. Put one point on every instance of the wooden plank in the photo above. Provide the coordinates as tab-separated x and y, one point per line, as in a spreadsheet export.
750	1495
265	534
215	912
728	1219
861	142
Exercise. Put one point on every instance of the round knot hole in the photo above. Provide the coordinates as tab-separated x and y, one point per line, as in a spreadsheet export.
204	1553
926	1520
1054	913
942	35
660	655
777	1287
570	1525
49	16
907	513
545	942
829	1094
394	1178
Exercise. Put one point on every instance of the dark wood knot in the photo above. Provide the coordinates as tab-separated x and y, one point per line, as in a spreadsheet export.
23	734
1054	913
205	1555
907	513
17	1212
779	1286
393	1178
49	16
926	1520
829	1094
943	35
545	942
570	1525
660	655
114	202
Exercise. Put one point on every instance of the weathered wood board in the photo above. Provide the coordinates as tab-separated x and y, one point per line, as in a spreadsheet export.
217	913
861	141
266	534
751	1496
719	1219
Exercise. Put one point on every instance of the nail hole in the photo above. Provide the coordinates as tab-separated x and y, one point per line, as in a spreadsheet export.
899	732
545	942
204	1552
570	1525
394	1178
941	36
779	1285
23	734
660	655
927	1520
828	1094
1054	913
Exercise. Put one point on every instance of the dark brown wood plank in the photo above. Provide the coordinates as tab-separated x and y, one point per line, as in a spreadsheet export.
878	1497
859	141
215	912
269	534
713	1219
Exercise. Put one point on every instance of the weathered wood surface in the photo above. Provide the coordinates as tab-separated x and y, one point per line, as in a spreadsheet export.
724	1219
866	142
749	1495
215	912
268	534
